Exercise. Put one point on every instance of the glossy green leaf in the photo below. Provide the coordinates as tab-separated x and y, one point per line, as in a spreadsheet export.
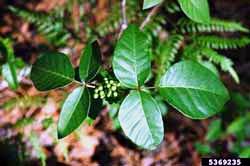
150	3
141	120
52	70
90	61
131	61
9	74
163	107
193	90
74	111
196	10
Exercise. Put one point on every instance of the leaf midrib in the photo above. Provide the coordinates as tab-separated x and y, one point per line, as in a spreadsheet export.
151	135
54	73
75	105
134	55
192	88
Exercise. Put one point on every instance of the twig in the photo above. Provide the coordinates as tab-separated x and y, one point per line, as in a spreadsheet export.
150	15
124	23
84	84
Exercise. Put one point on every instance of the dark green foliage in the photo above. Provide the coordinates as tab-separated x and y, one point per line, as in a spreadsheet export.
215	25
187	85
74	111
52	70
131	62
90	62
166	52
216	42
234	125
192	86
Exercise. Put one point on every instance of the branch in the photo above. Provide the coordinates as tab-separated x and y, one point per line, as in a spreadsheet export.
150	15
124	24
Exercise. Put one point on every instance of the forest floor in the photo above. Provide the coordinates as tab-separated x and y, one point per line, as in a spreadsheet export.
28	117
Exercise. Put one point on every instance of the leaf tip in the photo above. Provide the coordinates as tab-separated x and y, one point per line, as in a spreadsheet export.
60	135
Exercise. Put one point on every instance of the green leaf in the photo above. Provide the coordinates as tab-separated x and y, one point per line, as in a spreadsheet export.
9	74
237	126
196	10
203	149
74	111
214	130
245	152
150	3
52	70
193	90
163	107
140	119
209	65
90	61
131	62
9	68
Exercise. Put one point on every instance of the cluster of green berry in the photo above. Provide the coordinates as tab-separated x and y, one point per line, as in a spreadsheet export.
108	90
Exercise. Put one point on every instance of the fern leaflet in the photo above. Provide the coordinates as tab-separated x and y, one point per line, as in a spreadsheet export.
167	51
48	25
225	63
216	42
216	25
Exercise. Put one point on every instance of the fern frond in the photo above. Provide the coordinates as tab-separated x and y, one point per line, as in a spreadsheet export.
225	63
166	53
51	27
6	50
113	21
172	7
216	25
216	42
192	51
155	26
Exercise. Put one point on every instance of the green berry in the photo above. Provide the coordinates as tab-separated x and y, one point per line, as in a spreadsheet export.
102	93
115	94
96	96
100	88
109	94
113	88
